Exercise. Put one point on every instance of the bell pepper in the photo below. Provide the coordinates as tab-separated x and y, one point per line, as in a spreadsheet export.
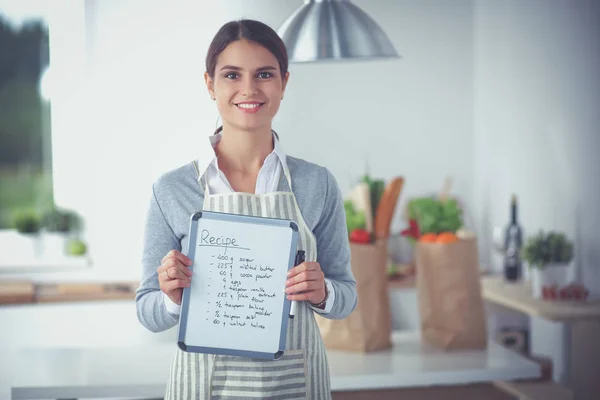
412	231
360	236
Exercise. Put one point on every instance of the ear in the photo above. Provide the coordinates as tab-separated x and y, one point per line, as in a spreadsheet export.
209	85
285	81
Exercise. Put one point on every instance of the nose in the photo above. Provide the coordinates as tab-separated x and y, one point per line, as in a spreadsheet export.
249	87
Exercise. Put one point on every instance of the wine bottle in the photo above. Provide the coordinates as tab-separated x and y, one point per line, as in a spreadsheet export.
513	242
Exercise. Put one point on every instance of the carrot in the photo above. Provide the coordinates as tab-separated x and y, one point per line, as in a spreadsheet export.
446	237
428	238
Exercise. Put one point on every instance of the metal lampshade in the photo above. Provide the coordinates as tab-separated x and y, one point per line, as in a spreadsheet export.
328	30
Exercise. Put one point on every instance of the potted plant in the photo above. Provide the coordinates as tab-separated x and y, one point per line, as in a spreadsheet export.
27	224
59	225
62	221
549	256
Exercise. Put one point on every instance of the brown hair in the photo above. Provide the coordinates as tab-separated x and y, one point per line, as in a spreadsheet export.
252	30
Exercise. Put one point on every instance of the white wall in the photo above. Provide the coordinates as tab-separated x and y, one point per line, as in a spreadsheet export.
483	88
146	108
537	120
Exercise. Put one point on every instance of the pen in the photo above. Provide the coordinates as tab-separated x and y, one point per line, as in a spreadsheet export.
299	260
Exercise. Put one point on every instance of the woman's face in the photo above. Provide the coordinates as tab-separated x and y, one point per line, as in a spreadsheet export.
247	85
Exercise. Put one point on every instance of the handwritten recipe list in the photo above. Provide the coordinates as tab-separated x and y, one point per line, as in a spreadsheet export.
237	286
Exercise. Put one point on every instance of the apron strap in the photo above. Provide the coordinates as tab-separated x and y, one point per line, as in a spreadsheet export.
288	176
201	178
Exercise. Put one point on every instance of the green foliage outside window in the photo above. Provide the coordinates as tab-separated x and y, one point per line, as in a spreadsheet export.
25	174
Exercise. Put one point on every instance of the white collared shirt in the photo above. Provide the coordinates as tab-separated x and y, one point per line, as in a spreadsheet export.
266	182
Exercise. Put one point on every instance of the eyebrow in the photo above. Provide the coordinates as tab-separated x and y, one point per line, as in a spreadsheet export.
234	68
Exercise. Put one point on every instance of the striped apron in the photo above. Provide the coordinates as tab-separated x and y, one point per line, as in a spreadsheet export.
302	372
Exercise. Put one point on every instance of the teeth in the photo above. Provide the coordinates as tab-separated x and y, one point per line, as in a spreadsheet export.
253	105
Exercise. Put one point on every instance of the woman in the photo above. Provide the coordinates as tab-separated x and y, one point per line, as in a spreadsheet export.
246	75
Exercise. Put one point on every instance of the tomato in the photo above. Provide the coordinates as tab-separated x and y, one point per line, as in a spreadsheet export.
360	236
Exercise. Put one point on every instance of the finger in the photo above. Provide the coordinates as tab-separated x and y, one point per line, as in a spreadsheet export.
298	297
162	273
175	269
305	266
175	284
177	255
171	263
305	276
314	296
168	263
179	272
305	286
187	271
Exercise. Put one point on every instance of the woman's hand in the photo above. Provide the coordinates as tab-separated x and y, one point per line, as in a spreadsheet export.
306	282
174	274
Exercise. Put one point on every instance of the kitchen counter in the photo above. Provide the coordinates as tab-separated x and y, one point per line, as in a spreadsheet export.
142	371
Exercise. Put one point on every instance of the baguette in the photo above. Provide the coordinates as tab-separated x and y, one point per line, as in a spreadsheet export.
386	207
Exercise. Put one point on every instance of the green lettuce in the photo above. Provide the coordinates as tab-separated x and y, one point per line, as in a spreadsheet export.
435	216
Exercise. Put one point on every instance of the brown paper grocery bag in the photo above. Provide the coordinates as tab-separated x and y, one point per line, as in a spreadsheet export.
369	327
449	295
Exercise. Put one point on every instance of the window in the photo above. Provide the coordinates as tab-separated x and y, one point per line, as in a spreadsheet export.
25	147
36	36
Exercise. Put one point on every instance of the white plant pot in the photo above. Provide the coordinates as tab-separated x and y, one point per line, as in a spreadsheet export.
549	275
55	245
34	244
21	245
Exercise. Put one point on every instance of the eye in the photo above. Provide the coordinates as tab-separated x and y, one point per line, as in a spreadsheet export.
265	75
231	75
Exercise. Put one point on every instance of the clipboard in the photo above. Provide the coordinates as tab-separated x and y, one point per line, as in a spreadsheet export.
236	304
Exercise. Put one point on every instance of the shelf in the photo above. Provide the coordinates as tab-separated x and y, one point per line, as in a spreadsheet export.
517	296
17	292
20	292
43	265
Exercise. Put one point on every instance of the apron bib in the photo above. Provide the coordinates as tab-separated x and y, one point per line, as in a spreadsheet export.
302	372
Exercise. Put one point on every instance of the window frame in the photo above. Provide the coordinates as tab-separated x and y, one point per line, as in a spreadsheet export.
68	28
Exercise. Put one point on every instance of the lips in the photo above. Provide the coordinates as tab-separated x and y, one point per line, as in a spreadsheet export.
249	107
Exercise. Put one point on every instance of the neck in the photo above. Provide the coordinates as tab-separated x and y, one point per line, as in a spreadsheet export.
244	151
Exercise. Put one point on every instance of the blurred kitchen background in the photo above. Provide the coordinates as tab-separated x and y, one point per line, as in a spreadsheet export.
100	97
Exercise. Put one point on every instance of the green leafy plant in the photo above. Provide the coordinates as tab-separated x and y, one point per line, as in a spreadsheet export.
26	221
57	220
354	219
548	248
376	188
435	216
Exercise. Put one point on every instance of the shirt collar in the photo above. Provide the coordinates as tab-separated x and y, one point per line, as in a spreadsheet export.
208	152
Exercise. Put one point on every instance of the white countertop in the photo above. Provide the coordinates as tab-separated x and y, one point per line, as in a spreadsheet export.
411	363
142	371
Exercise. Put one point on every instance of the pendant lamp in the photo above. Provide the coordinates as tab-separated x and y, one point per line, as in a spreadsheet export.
333	30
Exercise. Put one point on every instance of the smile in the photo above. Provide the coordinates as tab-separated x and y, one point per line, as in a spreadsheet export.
249	106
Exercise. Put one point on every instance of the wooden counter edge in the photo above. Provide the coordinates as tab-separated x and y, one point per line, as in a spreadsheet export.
535	307
20	292
534	390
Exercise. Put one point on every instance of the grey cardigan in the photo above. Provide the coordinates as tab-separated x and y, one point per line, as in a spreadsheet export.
177	194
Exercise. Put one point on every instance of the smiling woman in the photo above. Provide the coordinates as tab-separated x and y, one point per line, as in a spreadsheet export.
248	173
256	89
